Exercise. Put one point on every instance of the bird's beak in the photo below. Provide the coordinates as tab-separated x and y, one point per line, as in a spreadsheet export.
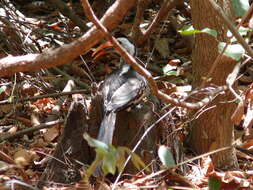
103	49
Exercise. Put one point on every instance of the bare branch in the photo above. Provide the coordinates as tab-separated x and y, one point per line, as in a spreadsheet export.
31	129
140	37
131	61
68	52
165	8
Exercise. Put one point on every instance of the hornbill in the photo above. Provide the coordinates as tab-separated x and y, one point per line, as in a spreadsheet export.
121	89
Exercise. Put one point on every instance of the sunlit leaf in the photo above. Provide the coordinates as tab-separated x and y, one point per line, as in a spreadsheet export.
95	143
240	7
168	70
120	159
109	162
171	73
2	89
189	30
210	31
166	156
242	31
234	51
138	163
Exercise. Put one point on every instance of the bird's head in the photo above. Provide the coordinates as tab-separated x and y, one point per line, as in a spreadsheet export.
108	47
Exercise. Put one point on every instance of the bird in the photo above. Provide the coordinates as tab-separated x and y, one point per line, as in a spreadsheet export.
120	90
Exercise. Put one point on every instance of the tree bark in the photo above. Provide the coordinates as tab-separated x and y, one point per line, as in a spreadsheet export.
72	149
213	129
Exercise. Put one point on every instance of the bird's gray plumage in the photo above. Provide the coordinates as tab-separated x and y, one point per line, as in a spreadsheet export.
120	89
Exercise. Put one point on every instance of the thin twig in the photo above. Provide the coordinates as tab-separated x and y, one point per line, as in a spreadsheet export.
165	8
131	61
231	27
139	142
66	11
232	78
31	129
128	58
3	102
218	58
80	83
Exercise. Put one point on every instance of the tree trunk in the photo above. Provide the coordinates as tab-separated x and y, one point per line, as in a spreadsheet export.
213	129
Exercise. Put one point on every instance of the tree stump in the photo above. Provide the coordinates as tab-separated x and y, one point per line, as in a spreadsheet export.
130	126
63	166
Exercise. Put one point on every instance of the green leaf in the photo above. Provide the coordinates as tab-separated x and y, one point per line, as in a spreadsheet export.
166	156
234	51
120	158
109	162
240	7
110	158
171	73
102	151
2	89
168	70
138	163
242	31
95	143
214	183
210	31
93	166
189	30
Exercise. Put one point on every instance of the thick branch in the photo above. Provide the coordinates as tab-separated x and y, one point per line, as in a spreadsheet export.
66	53
131	61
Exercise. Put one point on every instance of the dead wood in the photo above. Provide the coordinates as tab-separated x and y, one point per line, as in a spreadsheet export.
71	150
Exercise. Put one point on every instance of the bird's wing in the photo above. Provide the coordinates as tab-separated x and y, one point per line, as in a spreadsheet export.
127	92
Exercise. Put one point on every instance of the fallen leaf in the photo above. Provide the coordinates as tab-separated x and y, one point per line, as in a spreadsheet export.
51	134
22	157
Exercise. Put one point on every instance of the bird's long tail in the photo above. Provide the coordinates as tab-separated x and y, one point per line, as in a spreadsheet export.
107	128
105	135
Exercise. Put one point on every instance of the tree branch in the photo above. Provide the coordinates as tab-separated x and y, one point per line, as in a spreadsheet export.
131	61
31	129
231	27
66	53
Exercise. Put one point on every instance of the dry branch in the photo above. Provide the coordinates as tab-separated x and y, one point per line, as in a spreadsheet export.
68	52
140	36
152	84
31	129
